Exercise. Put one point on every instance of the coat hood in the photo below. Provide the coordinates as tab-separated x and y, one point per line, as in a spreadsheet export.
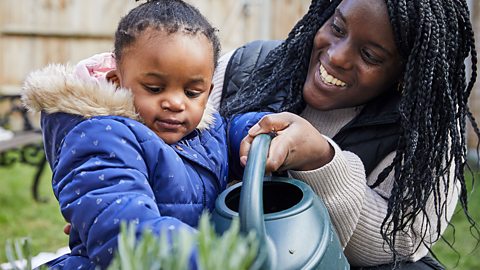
57	88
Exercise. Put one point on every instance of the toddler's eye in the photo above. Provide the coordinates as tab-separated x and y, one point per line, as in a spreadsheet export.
153	89
192	93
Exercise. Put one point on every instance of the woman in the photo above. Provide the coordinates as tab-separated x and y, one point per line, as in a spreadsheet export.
381	89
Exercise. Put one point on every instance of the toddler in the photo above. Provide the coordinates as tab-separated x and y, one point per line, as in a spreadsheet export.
130	137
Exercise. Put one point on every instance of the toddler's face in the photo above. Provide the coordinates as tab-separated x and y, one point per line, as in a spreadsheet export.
170	76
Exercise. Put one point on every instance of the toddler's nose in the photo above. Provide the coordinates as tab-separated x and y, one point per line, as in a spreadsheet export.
173	103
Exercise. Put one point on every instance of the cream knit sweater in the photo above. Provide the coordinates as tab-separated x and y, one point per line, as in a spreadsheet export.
356	210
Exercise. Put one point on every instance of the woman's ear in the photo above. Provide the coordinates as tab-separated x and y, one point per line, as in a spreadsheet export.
112	76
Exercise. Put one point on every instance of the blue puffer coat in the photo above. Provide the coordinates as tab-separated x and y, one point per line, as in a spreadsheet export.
108	167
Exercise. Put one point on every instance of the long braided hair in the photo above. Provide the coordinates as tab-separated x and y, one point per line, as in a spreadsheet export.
434	39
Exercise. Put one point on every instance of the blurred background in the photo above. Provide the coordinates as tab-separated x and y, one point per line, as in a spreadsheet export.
34	33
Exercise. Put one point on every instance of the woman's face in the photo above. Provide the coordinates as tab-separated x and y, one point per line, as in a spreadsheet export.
354	57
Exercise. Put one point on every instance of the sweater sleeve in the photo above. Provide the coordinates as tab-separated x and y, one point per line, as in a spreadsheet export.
101	179
357	211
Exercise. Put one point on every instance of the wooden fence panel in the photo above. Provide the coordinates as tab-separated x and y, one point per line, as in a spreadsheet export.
37	32
34	33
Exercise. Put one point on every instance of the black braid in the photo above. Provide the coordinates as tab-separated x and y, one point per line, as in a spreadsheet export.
285	68
434	38
168	15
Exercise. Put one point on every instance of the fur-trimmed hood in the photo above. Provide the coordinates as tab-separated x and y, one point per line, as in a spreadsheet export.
57	88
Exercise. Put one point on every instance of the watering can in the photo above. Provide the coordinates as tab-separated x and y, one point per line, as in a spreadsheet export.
290	221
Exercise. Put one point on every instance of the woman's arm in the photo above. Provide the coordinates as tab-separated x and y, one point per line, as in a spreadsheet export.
356	211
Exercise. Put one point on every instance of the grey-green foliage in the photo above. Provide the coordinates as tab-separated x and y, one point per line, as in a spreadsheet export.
18	252
231	251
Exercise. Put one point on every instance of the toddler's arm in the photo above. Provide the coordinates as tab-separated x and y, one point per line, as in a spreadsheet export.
102	179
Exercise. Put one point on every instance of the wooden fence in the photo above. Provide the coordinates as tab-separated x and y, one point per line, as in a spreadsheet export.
34	33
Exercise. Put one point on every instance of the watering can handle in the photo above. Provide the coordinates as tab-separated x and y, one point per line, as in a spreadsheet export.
251	197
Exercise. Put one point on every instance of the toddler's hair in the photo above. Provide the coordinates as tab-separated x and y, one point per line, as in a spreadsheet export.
166	15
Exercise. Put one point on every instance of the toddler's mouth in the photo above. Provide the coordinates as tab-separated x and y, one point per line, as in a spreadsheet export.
168	124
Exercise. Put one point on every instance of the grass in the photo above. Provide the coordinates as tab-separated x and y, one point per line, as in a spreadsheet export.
21	216
464	254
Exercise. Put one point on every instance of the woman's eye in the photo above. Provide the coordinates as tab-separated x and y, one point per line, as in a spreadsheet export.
371	58
192	93
337	30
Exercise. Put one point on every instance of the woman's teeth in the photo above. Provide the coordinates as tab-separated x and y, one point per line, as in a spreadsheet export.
329	79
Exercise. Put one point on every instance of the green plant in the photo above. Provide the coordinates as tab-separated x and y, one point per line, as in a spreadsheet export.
17	251
150	251
228	251
19	254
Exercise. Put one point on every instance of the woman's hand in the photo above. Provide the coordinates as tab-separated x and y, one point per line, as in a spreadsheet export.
297	144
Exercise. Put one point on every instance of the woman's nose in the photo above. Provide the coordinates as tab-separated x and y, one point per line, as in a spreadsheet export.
172	102
340	55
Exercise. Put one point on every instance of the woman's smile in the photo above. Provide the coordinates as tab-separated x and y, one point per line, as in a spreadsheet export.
328	78
327	82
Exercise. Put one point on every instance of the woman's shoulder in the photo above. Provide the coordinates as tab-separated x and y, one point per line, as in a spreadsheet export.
241	64
252	54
